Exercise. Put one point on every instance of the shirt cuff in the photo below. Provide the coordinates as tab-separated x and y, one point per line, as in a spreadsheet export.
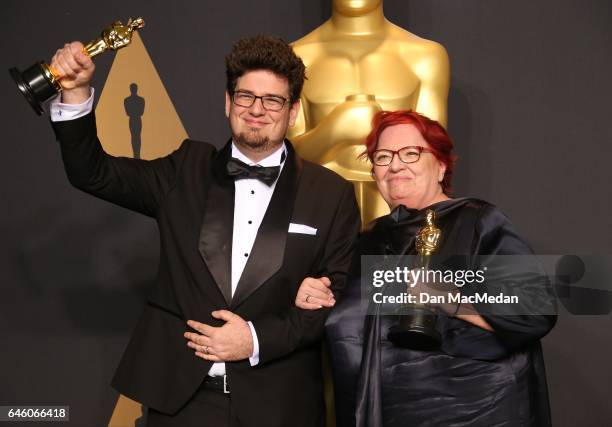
60	112
254	359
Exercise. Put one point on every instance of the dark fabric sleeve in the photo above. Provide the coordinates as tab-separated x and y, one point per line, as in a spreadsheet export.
281	334
135	184
514	271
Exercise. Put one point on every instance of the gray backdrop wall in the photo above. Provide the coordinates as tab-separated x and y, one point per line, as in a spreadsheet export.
528	109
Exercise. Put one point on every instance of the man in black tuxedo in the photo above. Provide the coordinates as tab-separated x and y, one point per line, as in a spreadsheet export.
240	229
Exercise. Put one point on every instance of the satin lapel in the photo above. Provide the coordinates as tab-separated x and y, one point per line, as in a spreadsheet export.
215	243
269	247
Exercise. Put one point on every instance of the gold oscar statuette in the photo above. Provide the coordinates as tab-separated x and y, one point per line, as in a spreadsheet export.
428	238
39	83
416	328
359	63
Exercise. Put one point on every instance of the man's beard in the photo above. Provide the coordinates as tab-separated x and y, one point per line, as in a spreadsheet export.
253	141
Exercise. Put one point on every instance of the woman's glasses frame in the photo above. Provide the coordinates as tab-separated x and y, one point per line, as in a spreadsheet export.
408	154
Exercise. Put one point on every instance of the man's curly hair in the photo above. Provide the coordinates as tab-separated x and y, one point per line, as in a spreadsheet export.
264	52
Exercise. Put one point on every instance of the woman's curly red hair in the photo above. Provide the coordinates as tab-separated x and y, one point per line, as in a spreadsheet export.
436	136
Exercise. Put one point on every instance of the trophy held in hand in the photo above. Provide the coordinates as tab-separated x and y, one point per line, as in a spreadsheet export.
416	327
40	82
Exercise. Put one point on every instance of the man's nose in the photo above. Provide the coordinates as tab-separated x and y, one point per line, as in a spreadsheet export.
257	109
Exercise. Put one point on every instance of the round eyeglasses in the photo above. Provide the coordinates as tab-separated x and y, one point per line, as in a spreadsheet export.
409	154
269	102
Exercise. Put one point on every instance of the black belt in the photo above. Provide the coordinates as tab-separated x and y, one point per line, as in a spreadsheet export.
216	383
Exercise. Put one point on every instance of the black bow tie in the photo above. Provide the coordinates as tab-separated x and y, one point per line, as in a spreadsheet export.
240	170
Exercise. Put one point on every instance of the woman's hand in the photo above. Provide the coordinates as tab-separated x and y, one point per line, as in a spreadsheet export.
315	294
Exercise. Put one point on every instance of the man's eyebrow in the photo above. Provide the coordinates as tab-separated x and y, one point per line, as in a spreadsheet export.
275	95
265	94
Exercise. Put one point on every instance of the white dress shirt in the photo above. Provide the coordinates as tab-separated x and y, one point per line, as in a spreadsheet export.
251	201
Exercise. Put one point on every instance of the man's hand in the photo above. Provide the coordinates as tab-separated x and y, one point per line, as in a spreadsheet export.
75	70
230	342
314	294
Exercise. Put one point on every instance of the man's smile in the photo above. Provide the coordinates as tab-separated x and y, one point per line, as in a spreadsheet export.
255	123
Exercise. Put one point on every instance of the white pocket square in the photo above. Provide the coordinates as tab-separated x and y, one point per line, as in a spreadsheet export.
302	229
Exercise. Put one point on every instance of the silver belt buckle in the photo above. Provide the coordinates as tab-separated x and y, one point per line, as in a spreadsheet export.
225	390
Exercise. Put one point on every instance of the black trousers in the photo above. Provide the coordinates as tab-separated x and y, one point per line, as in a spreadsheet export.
207	408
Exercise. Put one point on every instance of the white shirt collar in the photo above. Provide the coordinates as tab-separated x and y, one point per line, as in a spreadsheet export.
273	159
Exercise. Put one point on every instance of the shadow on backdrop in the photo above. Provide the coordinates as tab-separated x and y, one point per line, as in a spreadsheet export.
134	107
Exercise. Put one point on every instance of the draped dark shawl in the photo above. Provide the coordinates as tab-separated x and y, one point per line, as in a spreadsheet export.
477	377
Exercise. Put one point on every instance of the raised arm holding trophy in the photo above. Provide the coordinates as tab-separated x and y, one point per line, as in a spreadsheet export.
41	82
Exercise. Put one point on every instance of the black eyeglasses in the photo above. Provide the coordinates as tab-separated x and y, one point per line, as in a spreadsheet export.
409	154
269	102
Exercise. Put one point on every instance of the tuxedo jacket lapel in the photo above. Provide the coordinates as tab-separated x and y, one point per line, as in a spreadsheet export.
269	247
215	243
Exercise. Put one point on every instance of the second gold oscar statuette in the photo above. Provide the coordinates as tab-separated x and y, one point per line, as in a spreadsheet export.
416	327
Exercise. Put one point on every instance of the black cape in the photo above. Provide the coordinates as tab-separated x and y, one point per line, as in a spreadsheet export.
477	378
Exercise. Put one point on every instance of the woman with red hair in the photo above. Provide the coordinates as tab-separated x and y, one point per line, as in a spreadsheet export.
465	365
